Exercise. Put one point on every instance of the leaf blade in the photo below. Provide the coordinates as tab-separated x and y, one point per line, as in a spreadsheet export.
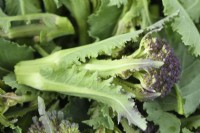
190	37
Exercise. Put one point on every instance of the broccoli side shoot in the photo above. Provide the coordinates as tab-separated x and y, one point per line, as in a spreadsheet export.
60	125
51	122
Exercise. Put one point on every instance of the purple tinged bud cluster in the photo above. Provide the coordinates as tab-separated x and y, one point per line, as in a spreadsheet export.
162	79
60	125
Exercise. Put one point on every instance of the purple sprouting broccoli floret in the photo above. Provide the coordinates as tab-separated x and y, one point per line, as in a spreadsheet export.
158	79
57	122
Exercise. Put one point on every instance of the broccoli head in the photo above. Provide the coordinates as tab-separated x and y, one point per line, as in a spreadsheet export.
159	79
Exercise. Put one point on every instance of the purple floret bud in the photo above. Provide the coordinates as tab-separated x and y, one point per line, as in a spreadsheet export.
160	79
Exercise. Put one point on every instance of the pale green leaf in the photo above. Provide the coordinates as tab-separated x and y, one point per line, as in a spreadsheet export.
22	7
167	122
191	36
82	84
192	8
110	46
189	81
185	130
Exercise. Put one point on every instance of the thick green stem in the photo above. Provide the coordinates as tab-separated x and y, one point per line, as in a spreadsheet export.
45	77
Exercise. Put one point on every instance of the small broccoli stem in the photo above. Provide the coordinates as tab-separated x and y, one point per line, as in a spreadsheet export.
136	89
28	17
23	111
139	53
22	99
180	100
49	24
40	50
122	67
25	30
140	77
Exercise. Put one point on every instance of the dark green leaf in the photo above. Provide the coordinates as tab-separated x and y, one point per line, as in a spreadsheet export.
11	53
192	122
103	20
190	78
168	123
185	130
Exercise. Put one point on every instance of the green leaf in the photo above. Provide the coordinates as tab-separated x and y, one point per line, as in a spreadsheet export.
192	122
127	128
100	117
77	55
172	102
189	80
103	20
74	112
185	130
11	53
10	80
191	38
192	8
6	122
168	123
22	7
